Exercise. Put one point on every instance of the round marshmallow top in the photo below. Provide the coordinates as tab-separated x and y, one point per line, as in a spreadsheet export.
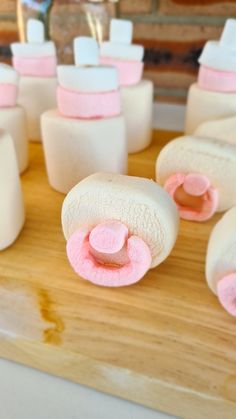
35	31
221	55
88	79
8	75
86	51
120	44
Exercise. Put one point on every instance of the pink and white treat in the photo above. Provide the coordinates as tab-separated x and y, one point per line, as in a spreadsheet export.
111	240
12	116
137	94
35	61
87	132
221	261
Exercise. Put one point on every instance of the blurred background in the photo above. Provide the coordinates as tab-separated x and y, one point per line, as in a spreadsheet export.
172	31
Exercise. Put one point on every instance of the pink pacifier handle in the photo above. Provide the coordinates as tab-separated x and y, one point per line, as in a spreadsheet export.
196	185
109	238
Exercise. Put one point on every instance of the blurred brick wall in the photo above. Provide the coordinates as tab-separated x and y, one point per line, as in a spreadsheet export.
172	31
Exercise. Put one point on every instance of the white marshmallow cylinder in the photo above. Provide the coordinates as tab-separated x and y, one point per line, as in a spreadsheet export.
13	121
11	201
36	95
203	105
137	109
75	149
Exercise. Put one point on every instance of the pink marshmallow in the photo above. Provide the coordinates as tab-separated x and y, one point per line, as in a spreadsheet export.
129	72
226	291
196	185
81	256
35	67
108	237
216	81
8	95
88	105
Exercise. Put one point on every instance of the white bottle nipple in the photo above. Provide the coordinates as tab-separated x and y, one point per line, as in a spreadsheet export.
35	31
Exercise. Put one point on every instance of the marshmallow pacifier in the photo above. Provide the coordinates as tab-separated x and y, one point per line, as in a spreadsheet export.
113	240
137	94
199	174
35	61
213	97
12	116
87	133
221	261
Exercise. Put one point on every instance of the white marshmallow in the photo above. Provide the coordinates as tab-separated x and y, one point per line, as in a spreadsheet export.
74	148
137	109
35	31
220	259
223	129
13	121
122	51
150	214
27	50
203	105
11	200
212	158
36	95
86	51
121	31
228	36
8	75
89	79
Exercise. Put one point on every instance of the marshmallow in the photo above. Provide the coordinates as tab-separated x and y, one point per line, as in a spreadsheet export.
121	31
205	106
88	79
133	235
11	200
86	51
212	166
221	261
26	50
223	129
77	148
216	81
35	31
122	51
8	75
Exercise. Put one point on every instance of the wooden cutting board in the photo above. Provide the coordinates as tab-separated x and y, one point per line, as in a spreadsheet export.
165	342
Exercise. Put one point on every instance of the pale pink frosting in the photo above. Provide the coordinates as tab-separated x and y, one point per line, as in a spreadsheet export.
195	185
226	291
216	81
35	67
129	72
8	95
74	104
108	257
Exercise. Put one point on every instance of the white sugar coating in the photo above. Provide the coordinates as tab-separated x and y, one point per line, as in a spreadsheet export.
122	51
228	36
35	31
88	79
121	31
30	50
8	74
86	51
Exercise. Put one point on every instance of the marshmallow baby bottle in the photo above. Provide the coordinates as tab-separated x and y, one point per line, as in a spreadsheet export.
117	228
211	104
137	94
12	116
11	200
87	132
35	61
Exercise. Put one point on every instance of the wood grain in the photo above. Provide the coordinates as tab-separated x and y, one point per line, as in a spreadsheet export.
165	342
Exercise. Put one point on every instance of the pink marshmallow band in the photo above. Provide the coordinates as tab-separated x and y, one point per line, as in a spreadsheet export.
226	291
35	67
8	95
192	186
106	256
88	105
216	81
129	72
